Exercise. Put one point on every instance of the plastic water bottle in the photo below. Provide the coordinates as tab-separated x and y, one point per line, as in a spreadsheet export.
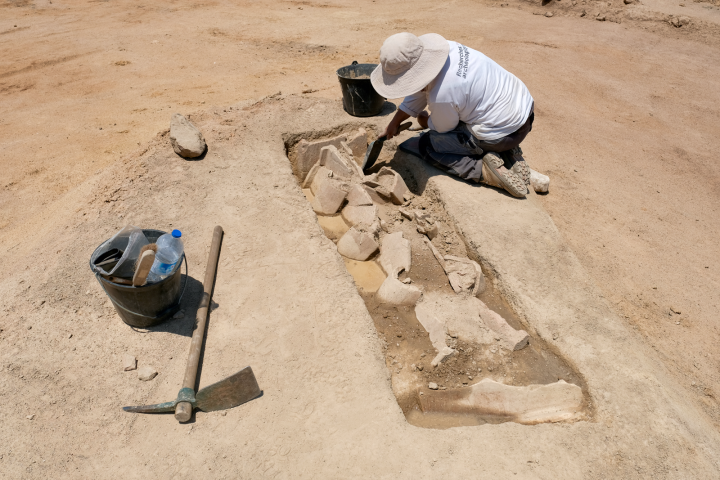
168	255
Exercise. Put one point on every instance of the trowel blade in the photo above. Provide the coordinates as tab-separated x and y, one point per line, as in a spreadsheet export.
373	152
230	392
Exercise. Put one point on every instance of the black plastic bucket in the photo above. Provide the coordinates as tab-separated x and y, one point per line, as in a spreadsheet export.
359	97
150	304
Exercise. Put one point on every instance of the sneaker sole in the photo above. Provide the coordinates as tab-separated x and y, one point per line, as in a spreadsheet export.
509	180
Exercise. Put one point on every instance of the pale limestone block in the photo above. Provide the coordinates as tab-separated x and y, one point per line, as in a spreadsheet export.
357	245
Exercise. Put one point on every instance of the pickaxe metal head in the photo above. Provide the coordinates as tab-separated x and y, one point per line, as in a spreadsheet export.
228	393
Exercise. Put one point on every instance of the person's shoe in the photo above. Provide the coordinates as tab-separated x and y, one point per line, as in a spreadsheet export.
520	166
495	174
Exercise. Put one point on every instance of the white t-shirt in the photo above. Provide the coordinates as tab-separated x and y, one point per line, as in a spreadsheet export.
474	89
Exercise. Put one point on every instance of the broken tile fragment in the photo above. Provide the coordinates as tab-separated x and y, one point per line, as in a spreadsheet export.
357	245
308	153
394	292
358	196
529	404
509	337
329	195
331	159
393	183
395	254
358	144
354	214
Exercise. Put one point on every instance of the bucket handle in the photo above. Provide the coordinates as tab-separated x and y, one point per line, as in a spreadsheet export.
146	316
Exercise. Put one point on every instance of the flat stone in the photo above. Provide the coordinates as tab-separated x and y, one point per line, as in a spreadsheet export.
391	181
331	159
371	180
308	153
358	196
528	405
442	355
446	313
432	324
185	137
539	182
433	386
358	144
511	338
146	373
395	254
329	195
406	213
394	292
129	362
357	245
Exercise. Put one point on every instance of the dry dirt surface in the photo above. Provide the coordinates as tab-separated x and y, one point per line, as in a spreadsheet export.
627	127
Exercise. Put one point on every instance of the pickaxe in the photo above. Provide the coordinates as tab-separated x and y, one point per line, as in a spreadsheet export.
230	392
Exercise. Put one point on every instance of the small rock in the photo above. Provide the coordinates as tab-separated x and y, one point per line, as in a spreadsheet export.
425	224
420	367
146	373
600	17
470	377
185	137
549	14
31	417
406	213
179	315
675	310
413	367
539	182
628	2
129	362
433	386
407	281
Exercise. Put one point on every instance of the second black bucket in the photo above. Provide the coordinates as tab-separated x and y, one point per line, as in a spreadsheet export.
359	97
148	305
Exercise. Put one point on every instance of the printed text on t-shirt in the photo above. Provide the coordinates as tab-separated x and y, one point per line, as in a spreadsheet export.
463	63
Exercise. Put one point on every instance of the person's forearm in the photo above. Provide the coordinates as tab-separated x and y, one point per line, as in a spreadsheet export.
400	116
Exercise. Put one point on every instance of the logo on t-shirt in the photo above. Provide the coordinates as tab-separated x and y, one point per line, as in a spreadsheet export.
464	59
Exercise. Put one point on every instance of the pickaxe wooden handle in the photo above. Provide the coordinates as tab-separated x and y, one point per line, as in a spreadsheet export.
183	410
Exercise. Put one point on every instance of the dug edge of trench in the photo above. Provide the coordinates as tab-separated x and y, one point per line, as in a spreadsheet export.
544	283
405	341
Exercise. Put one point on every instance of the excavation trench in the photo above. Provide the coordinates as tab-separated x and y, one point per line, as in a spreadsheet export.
472	385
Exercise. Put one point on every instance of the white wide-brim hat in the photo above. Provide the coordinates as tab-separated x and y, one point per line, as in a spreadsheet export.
408	63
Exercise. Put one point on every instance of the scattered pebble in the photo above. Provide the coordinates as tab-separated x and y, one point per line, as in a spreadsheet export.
29	327
675	310
146	373
30	417
549	14
129	362
433	386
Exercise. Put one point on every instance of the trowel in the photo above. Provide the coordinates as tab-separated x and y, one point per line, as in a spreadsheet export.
373	151
228	393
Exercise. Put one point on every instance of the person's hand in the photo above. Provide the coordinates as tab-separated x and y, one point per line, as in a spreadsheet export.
390	131
422	119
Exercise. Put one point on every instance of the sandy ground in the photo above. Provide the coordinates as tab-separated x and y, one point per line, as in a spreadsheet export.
627	128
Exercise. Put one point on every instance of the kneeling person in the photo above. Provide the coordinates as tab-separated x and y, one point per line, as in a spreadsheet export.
479	112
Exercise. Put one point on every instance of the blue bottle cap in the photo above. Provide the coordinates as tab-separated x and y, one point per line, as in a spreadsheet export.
176	233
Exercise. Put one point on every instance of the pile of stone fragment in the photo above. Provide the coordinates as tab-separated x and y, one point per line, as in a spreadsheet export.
338	185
